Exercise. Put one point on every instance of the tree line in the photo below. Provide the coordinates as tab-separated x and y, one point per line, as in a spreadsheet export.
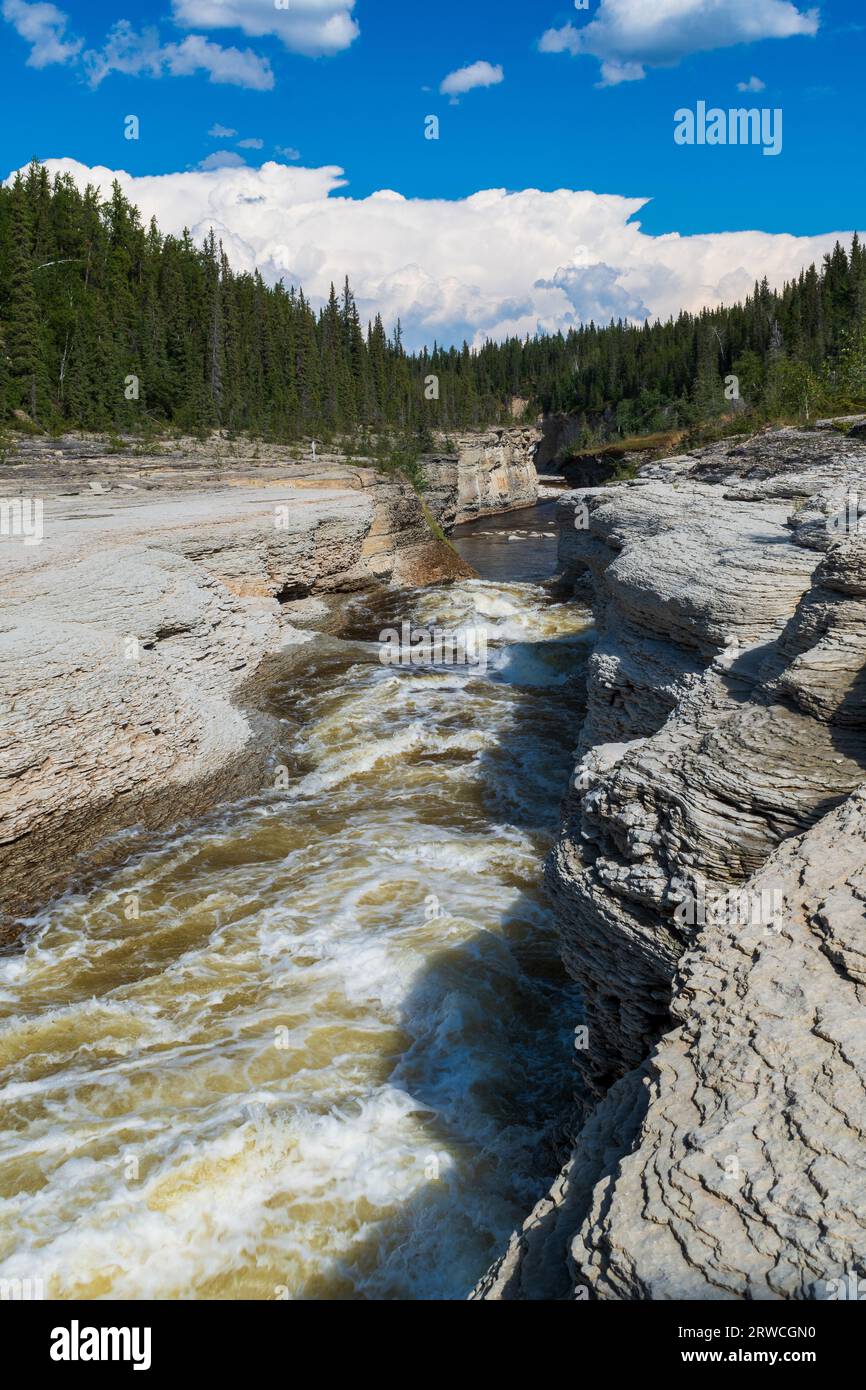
107	324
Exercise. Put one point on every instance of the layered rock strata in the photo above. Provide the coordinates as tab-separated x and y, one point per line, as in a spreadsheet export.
130	633
481	475
709	884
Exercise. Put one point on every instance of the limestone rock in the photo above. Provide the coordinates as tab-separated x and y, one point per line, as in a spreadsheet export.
486	474
131	634
709	884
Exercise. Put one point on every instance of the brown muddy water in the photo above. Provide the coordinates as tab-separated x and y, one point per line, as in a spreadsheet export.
319	1044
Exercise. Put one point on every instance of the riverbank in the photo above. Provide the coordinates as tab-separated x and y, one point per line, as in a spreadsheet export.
133	633
316	1044
709	886
354	954
135	626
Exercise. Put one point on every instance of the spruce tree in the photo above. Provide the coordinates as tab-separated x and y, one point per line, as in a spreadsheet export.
89	298
21	329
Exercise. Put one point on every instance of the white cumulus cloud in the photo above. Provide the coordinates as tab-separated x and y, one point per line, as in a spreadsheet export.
493	264
627	36
312	27
222	159
135	53
596	292
480	74
43	26
754	84
240	67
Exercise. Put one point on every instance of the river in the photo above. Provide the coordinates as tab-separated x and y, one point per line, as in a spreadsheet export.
318	1044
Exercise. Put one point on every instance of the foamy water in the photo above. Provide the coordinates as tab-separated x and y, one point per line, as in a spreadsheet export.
319	1044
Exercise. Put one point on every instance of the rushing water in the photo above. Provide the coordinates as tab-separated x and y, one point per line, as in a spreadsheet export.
317	1045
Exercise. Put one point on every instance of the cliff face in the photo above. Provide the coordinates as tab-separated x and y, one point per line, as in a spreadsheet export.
163	582
488	473
129	634
709	884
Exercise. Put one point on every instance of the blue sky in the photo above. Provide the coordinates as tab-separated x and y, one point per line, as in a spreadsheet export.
599	119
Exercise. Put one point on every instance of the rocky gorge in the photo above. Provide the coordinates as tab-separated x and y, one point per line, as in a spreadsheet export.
707	880
134	632
709	885
301	1032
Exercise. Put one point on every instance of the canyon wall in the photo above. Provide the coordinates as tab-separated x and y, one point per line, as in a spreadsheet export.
482	475
132	633
709	884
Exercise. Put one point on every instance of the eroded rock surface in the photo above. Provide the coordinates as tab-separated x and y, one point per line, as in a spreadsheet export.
482	475
130	633
709	884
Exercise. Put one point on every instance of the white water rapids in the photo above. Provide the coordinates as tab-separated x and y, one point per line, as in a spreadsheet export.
318	1044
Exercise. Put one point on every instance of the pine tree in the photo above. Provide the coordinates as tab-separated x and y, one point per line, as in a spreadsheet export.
213	293
89	298
26	367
